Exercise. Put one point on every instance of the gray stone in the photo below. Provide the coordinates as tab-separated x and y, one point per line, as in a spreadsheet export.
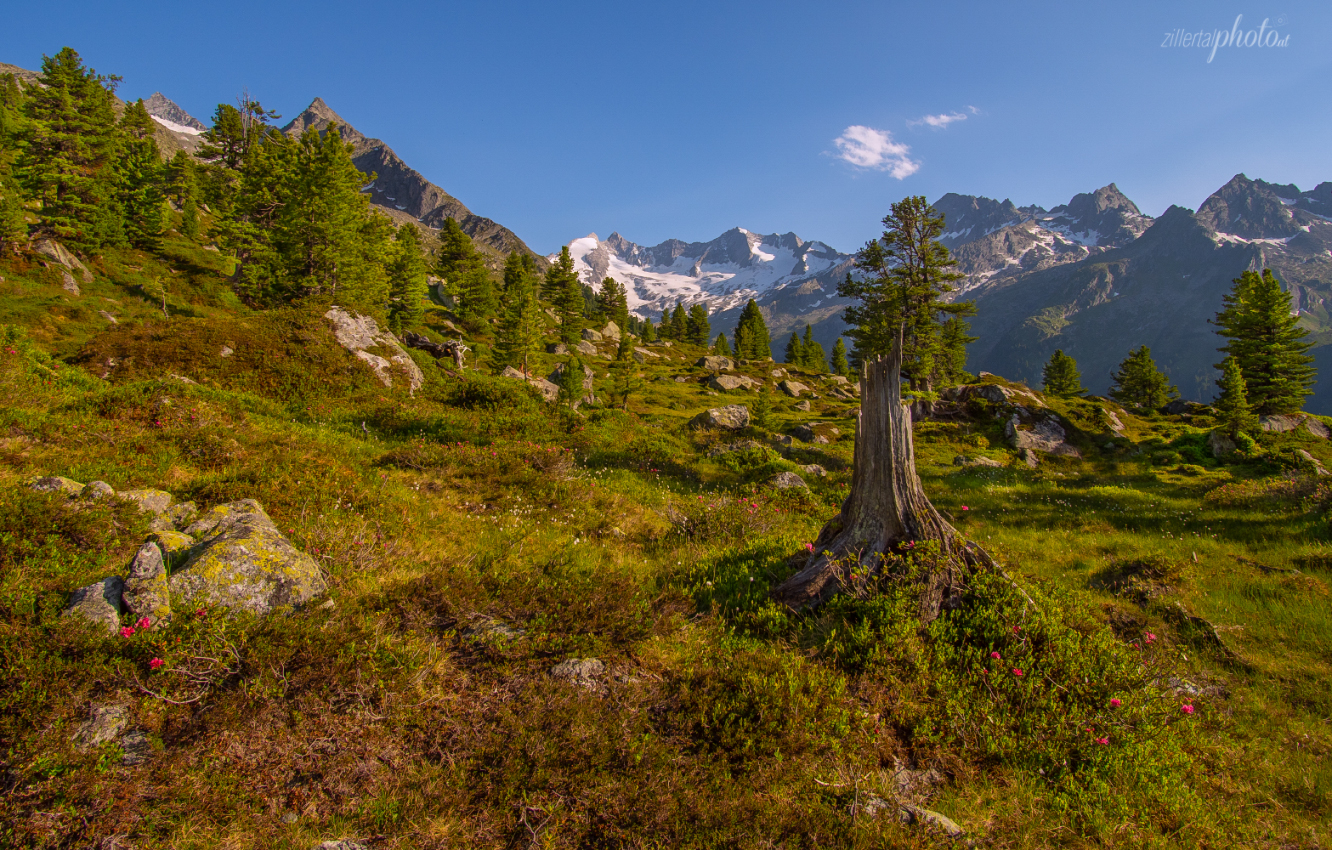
1279	423
243	562
149	501
792	388
548	391
105	724
732	417
729	383
727	448
979	460
174	545
611	331
1029	458
356	333
805	433
715	363
135	748
341	844
588	395
53	250
645	353
779	373
1220	444
146	593
110	318
814	469
1115	424
95	491
179	515
1312	462
587	348
580	671
638	356
226	351
56	484
99	603
1317	428
67	282
591	335
1045	435
803	406
933	820
557	348
786	480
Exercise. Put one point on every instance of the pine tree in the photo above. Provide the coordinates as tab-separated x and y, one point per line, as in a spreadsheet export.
905	275
812	351
721	346
571	383
795	351
679	323
1232	406
407	280
189	218
625	350
1061	376
839	364
180	177
751	334
952	359
69	152
649	333
141	179
698	329
1138	383
520	329
613	302
761	415
1269	347
13	223
562	287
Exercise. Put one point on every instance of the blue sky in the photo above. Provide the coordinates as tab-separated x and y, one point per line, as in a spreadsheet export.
681	120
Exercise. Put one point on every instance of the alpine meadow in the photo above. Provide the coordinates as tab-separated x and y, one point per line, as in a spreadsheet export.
335	515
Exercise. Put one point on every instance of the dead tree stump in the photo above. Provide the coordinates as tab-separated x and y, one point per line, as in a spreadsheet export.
887	513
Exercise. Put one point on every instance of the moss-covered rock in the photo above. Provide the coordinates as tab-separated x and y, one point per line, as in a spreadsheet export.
146	593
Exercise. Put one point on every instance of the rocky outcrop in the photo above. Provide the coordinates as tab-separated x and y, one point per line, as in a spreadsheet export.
1285	423
56	484
729	383
715	363
786	481
548	390
146	593
586	348
611	331
792	388
1040	433
111	724
243	562
70	265
358	334
98	603
1220	444
732	417
579	671
979	460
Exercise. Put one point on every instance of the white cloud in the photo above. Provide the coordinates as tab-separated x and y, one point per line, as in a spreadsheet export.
939	121
973	110
866	147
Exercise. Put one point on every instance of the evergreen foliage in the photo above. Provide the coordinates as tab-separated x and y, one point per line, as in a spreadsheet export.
613	302
838	363
562	287
1269	347
1060	376
464	272
1232	406
795	351
520	328
407	279
761	415
1138	383
697	328
679	323
141	180
813	358
751	334
571	383
721	346
649	332
905	275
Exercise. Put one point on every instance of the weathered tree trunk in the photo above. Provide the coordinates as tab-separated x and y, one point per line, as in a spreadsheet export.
887	512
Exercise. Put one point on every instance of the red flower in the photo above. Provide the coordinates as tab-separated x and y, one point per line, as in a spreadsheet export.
1186	708
1102	740
1017	672
994	654
143	623
127	631
155	663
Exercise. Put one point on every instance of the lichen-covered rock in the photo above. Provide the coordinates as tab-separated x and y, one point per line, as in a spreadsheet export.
965	460
174	545
96	490
146	593
53	250
56	484
591	335
1220	444
1312	463
792	388
804	406
1044	434
715	363
586	348
580	671
728	383
557	348
243	562
98	603
358	333
611	331
786	480
1282	423
177	516
149	501
732	417
814	469
341	844
105	723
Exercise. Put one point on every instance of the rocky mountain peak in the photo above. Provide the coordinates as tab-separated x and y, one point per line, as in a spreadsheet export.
968	217
163	108
1250	209
319	116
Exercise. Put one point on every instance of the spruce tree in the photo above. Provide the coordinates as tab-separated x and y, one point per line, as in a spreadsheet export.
562	287
814	358
1060	376
699	330
951	361
721	346
1232	406
679	323
1138	383
520	328
141	178
189	218
571	383
839	364
795	352
649	333
407	280
906	274
13	223
1269	347
612	300
180	177
751	334
761	415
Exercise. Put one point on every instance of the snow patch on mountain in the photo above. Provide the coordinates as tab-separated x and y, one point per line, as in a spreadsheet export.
178	128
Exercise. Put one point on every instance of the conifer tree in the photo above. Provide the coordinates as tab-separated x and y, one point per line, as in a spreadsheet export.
679	323
613	302
1269	347
1232	406
1138	383
68	157
699	330
1060	376
571	383
952	359
13	223
407	280
625	350
905	275
141	179
180	177
721	346
189	218
761	415
812	351
795	351
562	287
520	328
649	333
751	334
839	364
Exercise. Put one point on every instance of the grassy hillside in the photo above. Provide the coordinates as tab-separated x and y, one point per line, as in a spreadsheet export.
474	538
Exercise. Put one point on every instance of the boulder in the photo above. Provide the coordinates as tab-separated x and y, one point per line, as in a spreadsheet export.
174	546
1045	434
579	671
558	348
645	353
814	469
146	593
226	351
1220	444
803	406
964	460
732	417
1317	428
341	844
177	516
1280	423
839	379
727	383
548	391
716	363
108	317
98	603
1312	463
786	480
779	373
739	446
591	335
58	253
56	484
992	393
1115	424
105	724
95	491
586	348
611	331
243	562
149	501
806	434
792	388
1029	458
357	333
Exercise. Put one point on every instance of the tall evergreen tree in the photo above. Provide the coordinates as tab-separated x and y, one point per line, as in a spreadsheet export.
795	351
180	177
1060	376
815	360
407	279
1264	338
649	332
189	218
520	328
905	275
751	334
679	323
721	346
141	178
1232	406
69	153
1138	383
952	359
613	302
698	329
838	363
562	287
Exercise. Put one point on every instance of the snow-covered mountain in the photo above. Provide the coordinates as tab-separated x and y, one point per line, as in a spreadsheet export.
722	274
171	116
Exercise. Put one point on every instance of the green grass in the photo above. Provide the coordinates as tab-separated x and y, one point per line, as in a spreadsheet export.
473	537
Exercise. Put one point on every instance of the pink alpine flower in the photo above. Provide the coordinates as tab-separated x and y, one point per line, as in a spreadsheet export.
809	547
1017	672
1186	708
1150	638
965	508
994	654
143	623
1115	703
1102	740
155	663
126	631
